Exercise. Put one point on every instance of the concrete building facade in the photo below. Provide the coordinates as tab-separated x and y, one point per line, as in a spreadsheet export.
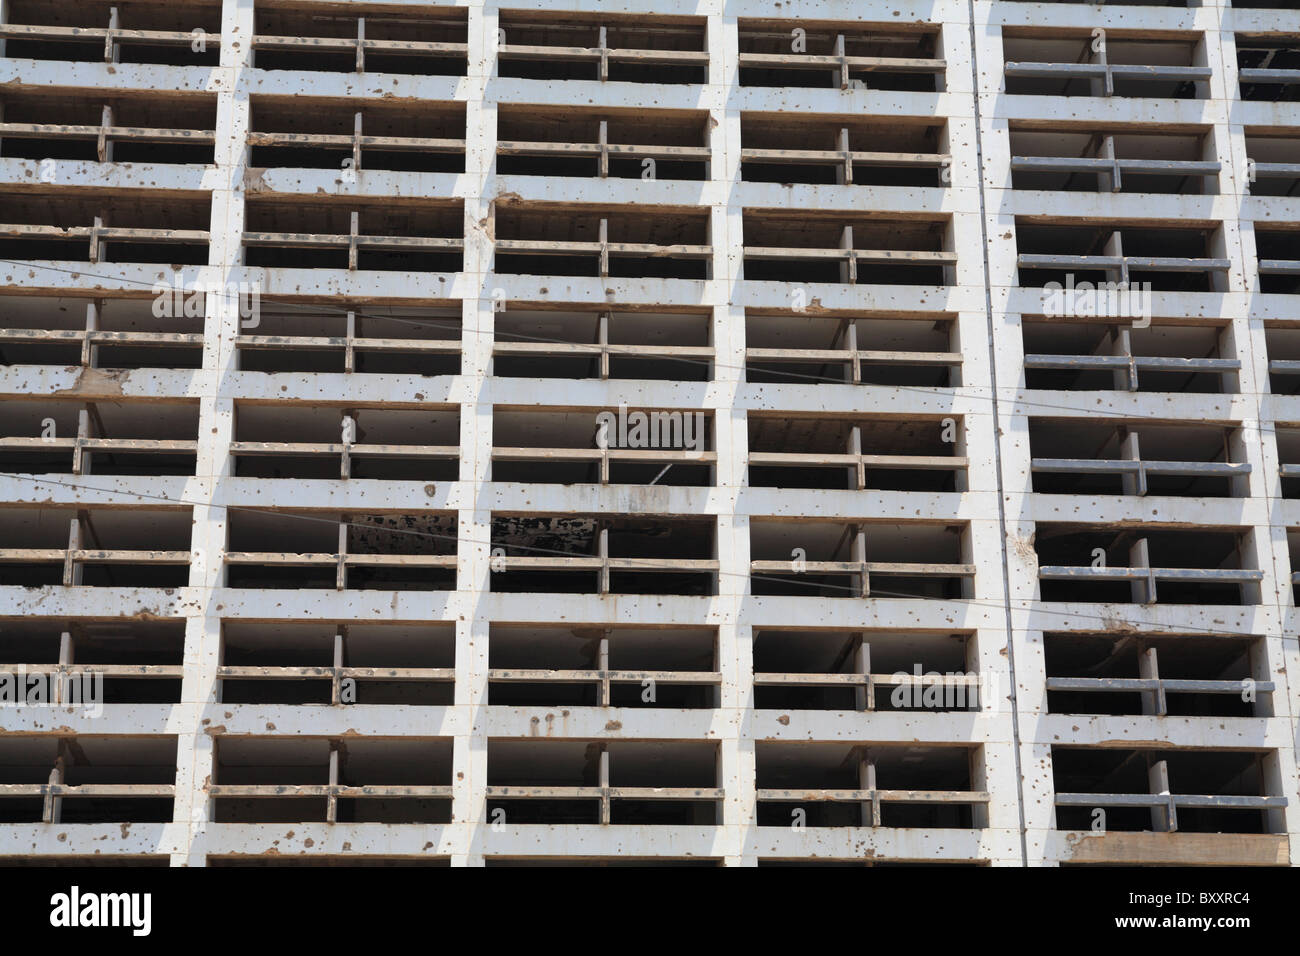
727	433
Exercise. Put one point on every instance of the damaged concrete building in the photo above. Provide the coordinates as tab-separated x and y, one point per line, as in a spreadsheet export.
575	432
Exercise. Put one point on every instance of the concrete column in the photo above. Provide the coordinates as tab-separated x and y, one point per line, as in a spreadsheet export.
1245	339
221	283
731	436
474	522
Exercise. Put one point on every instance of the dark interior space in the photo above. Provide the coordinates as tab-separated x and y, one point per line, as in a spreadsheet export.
401	135
144	762
193	30
1124	771
882	57
656	555
1217	553
404	29
561	240
396	236
637	49
1101	658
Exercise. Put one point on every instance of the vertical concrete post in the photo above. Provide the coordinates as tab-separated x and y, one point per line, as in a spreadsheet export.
220	282
474	520
731	440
